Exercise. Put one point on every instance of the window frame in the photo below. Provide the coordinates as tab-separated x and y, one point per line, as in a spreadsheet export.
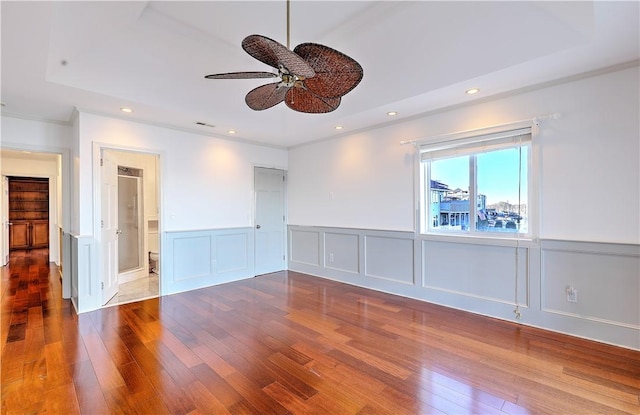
424	221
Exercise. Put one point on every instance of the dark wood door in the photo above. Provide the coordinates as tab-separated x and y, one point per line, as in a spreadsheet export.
28	212
39	234
19	235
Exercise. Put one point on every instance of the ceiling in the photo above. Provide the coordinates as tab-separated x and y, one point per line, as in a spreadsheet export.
417	57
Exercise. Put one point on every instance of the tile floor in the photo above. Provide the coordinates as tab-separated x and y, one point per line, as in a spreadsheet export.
136	290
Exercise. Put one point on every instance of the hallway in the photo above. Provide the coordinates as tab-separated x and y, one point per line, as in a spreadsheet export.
37	325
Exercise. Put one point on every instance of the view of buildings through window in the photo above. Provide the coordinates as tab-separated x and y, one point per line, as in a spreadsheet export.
500	180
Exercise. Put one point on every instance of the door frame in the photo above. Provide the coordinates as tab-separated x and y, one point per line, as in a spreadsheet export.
4	220
64	204
98	147
54	254
286	211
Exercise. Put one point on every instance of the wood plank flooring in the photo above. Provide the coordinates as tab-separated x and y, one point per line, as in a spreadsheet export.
290	343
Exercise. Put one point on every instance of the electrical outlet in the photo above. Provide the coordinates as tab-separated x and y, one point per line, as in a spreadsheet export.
572	294
330	256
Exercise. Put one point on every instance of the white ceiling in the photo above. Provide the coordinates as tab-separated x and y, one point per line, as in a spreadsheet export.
417	57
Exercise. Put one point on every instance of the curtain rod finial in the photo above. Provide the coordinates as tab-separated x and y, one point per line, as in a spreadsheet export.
405	142
552	116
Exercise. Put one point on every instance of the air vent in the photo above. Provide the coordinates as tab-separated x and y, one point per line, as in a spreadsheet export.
204	124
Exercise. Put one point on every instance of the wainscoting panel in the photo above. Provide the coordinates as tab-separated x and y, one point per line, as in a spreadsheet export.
85	291
233	253
197	259
342	252
479	275
304	247
72	269
607	282
481	271
69	285
389	258
65	265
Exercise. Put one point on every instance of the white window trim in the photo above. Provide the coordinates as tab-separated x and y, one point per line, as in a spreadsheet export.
423	227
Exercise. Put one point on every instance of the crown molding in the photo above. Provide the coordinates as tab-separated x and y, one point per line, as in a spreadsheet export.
29	117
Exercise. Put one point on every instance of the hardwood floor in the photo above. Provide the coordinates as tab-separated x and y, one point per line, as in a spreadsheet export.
290	343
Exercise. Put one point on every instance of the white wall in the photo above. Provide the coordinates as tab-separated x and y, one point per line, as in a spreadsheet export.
33	135
361	181
589	186
590	177
206	182
75	174
40	136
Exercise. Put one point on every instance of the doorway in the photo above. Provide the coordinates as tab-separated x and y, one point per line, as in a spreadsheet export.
28	213
269	187
129	211
130	223
41	221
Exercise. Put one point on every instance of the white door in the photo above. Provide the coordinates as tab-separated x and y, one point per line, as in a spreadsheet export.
109	226
4	252
270	220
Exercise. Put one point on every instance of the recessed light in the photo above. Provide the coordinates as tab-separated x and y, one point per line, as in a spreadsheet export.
392	113
472	91
338	127
127	110
231	131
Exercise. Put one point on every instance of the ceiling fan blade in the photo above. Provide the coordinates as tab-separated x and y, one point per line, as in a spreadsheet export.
303	100
266	96
242	75
277	55
336	73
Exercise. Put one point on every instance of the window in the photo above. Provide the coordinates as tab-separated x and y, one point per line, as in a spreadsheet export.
492	170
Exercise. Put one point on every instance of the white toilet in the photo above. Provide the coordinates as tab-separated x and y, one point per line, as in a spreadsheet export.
154	255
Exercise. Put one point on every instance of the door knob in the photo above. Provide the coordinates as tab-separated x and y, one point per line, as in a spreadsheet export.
118	231
258	226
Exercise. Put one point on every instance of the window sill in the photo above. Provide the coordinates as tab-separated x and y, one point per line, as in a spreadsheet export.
476	239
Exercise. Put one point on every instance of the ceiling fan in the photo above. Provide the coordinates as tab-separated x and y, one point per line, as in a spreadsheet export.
313	77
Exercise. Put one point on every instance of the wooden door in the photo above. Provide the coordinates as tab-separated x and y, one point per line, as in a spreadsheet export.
28	212
39	234
19	234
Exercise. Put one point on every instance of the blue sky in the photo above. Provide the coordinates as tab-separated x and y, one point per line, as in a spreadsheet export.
497	174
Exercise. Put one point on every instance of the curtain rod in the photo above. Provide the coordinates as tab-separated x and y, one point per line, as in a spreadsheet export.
534	121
